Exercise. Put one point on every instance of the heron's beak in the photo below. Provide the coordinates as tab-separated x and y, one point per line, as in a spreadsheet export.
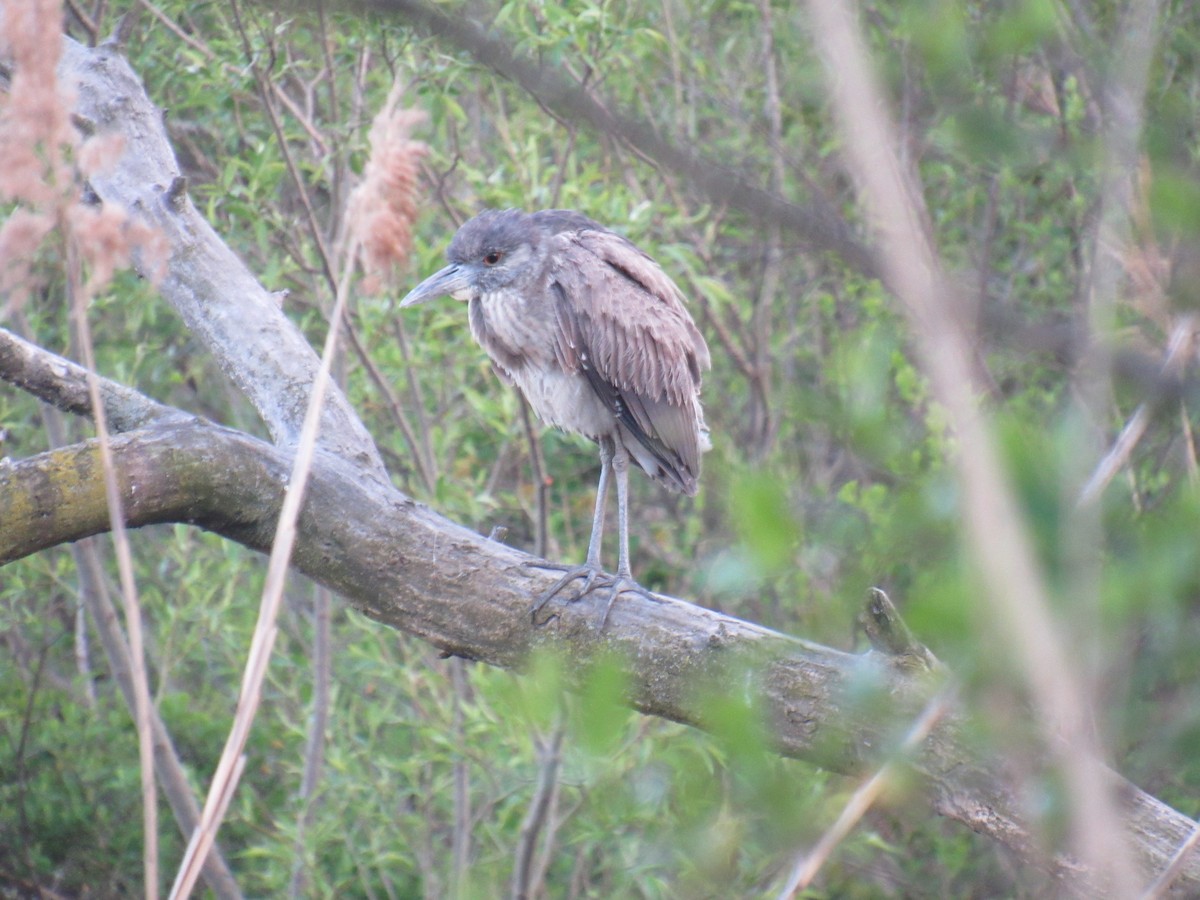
451	280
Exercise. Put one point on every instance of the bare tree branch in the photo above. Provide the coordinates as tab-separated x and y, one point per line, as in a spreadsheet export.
219	299
63	385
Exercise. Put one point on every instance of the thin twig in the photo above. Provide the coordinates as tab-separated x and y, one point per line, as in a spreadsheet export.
425	449
1179	350
339	166
549	754
20	775
314	747
89	24
762	425
541	481
265	87
396	408
460	843
56	434
818	223
210	55
172	777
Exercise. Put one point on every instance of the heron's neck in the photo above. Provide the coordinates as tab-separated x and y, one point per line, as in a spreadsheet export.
496	326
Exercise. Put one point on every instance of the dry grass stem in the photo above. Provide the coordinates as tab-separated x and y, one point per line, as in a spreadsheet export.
229	768
1019	600
129	595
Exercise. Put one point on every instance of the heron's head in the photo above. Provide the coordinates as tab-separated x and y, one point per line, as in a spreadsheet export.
495	250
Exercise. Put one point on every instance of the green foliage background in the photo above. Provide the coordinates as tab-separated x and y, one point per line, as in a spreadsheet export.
828	472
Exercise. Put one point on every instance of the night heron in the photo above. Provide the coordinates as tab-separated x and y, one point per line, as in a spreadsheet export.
598	340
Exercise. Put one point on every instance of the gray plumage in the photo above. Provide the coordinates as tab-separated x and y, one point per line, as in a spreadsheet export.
597	338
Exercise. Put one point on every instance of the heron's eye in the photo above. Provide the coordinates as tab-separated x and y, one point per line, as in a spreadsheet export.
492	257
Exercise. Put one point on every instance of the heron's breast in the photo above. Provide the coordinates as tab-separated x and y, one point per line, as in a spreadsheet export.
512	338
521	342
564	400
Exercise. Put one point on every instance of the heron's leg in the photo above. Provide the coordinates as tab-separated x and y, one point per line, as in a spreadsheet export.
613	458
590	570
624	581
606	466
620	462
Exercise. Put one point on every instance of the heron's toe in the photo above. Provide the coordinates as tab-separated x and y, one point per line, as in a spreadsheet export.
621	584
593	580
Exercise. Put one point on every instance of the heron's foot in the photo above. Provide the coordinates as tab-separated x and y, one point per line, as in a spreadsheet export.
589	573
616	586
594	579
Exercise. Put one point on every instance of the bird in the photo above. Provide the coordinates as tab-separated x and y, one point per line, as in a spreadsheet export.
599	341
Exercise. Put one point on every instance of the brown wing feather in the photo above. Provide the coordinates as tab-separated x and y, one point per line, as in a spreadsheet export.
622	321
647	335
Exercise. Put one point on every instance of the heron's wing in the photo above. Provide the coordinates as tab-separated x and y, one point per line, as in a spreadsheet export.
622	322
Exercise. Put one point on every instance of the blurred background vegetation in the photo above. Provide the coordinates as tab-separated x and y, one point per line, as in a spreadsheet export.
828	473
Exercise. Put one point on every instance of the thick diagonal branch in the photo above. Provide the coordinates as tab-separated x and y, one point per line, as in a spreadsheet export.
219	299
